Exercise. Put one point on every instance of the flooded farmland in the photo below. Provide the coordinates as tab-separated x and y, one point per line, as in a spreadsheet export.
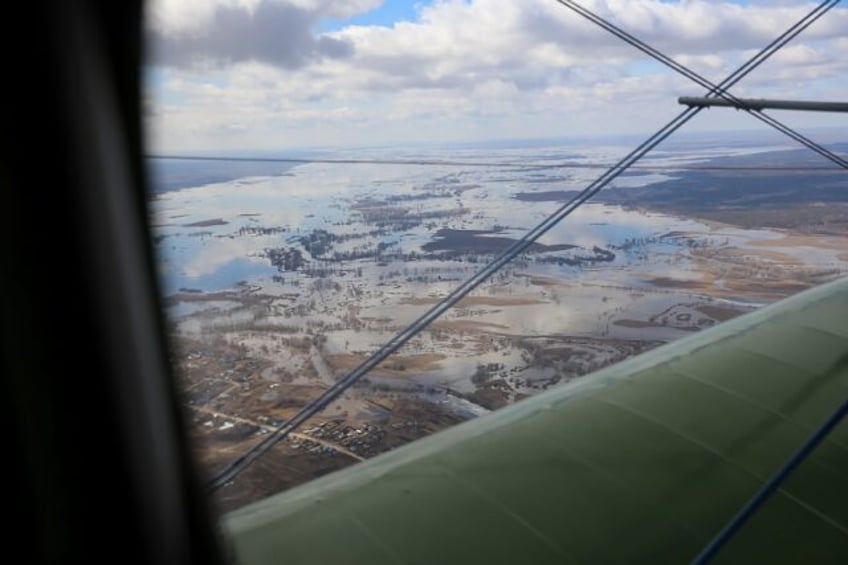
277	285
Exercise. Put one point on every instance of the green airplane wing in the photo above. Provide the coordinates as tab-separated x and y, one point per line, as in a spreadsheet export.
643	462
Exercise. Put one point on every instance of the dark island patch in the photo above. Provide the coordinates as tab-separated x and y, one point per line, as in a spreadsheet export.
481	241
207	223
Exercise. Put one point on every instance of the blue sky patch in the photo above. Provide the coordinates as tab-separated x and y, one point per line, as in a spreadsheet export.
389	12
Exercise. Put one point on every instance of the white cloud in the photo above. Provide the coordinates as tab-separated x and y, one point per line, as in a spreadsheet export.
464	68
174	17
277	33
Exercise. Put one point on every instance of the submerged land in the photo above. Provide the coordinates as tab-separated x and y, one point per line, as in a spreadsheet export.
278	285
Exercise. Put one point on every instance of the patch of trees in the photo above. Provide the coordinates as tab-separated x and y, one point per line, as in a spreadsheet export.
286	258
258	230
600	256
318	242
486	371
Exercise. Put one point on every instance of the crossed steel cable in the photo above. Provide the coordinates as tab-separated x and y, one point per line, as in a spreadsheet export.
690	74
232	470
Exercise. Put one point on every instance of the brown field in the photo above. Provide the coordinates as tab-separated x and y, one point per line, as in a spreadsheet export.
806	240
397	366
470	301
467	326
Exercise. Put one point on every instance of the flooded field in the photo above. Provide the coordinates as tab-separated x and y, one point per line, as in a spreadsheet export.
278	285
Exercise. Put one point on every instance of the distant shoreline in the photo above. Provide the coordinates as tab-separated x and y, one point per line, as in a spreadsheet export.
168	175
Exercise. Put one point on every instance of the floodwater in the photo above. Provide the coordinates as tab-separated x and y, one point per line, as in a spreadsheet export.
214	236
352	253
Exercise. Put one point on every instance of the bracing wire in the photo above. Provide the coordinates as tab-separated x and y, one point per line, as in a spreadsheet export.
688	73
746	512
779	477
317	405
238	465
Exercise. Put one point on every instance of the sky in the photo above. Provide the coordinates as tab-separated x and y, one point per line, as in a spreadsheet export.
262	76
